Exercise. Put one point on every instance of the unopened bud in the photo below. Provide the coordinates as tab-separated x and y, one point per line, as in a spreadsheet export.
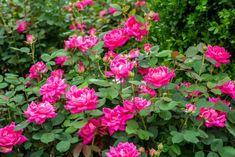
160	146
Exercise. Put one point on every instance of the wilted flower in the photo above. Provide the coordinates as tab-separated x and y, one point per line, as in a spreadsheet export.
147	47
123	150
115	119
143	89
218	54
190	108
109	56
9	138
79	100
115	38
91	129
159	76
60	60
135	28
40	112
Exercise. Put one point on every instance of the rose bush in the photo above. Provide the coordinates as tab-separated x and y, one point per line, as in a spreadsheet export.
110	90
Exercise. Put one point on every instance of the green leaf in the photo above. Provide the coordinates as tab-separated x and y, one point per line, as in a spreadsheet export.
96	113
116	6
58	119
3	85
166	115
47	137
191	136
176	149
21	126
46	57
117	13
60	52
98	46
212	154
230	128
1	78
167	106
199	154
177	137
132	124
135	82
25	49
144	135
164	53
191	51
231	116
103	83
216	144
63	146
37	153
227	151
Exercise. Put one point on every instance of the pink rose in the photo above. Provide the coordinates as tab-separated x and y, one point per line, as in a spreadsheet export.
146	90
123	150
79	100
135	28
217	100
36	70
120	67
53	89
190	108
136	104
88	2
115	119
40	112
21	26
60	60
156	17
213	117
9	138
159	76
115	38
218	54
147	48
91	129
228	88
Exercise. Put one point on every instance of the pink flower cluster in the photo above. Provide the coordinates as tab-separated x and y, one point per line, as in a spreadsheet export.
9	138
55	86
79	100
21	26
40	112
136	104
81	43
135	28
36	70
116	119
228	88
120	67
143	89
159	76
213	117
218	54
60	60
190	94
83	4
118	37
123	150
91	129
